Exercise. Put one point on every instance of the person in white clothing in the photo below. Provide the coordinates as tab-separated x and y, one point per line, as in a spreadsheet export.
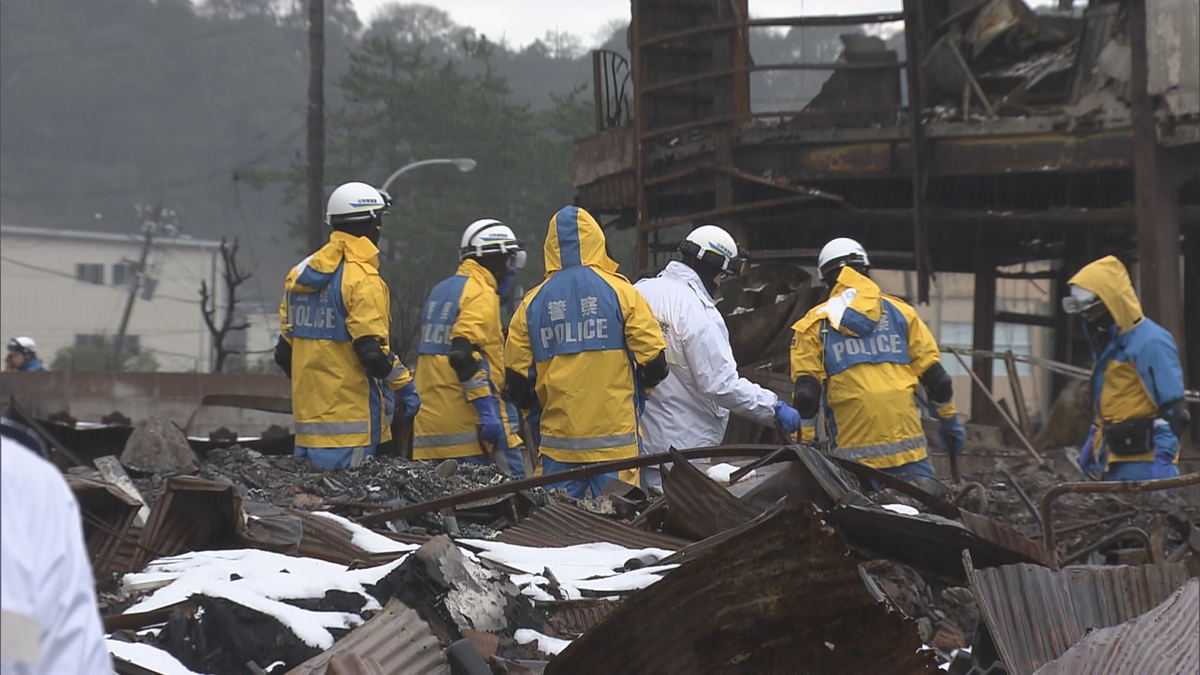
691	408
51	624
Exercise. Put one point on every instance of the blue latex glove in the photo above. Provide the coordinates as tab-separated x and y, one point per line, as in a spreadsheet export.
411	400
953	435
787	417
489	418
1087	458
1163	466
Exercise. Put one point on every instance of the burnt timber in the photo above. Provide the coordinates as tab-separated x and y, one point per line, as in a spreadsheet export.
1033	173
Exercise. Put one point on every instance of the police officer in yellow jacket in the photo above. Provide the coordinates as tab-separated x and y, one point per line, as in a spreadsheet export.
861	355
1137	380
583	352
460	371
333	344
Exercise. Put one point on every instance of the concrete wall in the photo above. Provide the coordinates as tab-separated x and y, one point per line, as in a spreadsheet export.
41	297
175	396
1173	40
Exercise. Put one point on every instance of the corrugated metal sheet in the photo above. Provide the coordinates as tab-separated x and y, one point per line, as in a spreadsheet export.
566	525
1035	615
697	506
327	540
113	512
396	638
780	597
193	514
1164	640
572	618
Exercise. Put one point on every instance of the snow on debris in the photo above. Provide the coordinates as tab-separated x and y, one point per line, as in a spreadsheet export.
545	643
723	473
259	580
904	509
594	567
147	656
371	542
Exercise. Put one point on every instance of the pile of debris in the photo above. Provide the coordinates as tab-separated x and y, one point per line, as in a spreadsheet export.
241	561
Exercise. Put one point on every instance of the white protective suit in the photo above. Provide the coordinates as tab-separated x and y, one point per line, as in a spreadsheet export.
51	623
690	409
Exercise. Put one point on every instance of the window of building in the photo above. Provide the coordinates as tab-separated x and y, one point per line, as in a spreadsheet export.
124	273
1007	336
133	343
92	273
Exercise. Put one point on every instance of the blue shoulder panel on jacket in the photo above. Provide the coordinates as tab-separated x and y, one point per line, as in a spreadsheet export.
887	342
440	315
575	311
1157	357
320	315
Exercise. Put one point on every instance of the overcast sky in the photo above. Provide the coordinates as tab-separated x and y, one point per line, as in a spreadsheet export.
520	22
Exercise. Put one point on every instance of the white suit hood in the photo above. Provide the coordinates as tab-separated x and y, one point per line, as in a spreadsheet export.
691	408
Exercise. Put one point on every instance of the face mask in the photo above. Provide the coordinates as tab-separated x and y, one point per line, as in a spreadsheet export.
502	287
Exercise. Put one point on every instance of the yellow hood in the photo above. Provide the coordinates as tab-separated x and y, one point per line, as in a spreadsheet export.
317	270
1109	279
576	240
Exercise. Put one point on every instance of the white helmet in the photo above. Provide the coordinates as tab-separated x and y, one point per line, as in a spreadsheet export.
713	245
356	201
490	236
839	253
1080	300
22	344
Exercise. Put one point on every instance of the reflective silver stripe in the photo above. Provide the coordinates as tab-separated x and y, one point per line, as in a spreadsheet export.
809	424
397	371
20	638
332	428
445	440
475	383
881	450
592	443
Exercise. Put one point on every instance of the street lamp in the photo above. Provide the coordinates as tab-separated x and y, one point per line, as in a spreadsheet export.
463	164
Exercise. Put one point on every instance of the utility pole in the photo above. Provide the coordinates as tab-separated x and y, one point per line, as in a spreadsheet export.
316	122
149	229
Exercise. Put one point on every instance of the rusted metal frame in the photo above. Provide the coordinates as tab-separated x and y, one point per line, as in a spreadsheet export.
739	208
722	119
124	538
1013	425
1156	195
726	72
1018	392
1037	515
971	81
749	177
1092	523
759	463
1153	557
598	90
585	471
1025	319
968	489
675	175
914	38
791	21
1048	533
640	127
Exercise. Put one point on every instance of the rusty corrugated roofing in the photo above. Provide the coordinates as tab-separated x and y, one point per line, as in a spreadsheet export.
108	514
193	514
1035	615
1164	640
397	639
566	525
572	618
779	597
696	505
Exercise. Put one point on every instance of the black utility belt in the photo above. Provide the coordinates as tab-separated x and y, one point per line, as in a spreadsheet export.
1132	437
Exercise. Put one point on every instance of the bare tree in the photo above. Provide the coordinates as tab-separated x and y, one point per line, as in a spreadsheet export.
232	277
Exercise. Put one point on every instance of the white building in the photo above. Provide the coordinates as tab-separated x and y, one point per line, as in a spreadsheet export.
67	288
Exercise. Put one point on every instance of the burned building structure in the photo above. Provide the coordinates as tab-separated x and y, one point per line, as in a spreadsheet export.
987	139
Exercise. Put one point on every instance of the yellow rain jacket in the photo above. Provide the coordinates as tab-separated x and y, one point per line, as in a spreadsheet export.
330	299
578	337
868	350
466	306
1138	372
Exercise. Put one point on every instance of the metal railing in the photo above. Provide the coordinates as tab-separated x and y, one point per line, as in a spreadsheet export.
611	85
